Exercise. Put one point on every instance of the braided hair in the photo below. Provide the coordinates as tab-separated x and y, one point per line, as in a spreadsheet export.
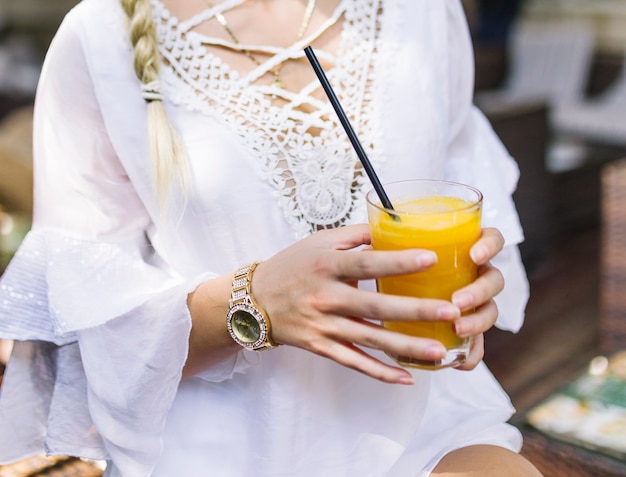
169	158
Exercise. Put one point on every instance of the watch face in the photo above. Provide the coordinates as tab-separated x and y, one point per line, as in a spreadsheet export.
247	326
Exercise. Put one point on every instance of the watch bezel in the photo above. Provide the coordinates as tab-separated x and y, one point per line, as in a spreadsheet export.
257	316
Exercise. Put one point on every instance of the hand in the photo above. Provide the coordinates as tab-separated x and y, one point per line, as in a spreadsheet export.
479	296
308	290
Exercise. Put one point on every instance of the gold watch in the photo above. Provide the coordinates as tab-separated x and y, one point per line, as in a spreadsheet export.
247	322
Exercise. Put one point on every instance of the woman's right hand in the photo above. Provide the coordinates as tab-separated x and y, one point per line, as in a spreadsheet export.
309	292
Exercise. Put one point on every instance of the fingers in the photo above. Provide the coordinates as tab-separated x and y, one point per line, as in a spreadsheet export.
478	322
319	309
477	353
355	333
365	266
343	238
374	336
323	253
488	246
473	326
489	283
329	318
382	307
354	358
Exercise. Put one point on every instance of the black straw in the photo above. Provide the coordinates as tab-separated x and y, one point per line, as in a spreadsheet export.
345	122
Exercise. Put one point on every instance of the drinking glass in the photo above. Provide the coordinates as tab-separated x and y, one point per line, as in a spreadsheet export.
436	215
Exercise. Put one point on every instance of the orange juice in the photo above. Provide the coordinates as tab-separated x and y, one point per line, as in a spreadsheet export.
438	216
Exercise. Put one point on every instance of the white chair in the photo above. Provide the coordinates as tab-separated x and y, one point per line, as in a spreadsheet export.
601	119
549	61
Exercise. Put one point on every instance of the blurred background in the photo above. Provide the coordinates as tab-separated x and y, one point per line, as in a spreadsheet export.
551	79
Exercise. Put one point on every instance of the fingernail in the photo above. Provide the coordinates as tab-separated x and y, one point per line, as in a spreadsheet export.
448	312
426	259
408	380
479	253
435	351
462	300
462	328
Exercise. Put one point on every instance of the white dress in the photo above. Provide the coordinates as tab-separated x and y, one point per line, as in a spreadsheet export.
96	296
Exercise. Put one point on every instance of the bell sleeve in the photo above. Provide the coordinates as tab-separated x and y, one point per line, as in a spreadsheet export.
100	320
476	156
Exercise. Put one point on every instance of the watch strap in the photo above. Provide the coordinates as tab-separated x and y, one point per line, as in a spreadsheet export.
241	287
241	295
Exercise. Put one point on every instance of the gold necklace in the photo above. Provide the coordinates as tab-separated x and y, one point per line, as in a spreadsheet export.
308	13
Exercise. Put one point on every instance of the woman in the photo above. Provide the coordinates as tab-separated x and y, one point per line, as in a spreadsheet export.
119	296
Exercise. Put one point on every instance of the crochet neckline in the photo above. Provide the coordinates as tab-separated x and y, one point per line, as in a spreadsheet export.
305	155
273	55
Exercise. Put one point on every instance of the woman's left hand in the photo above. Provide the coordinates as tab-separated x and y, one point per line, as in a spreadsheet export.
479	296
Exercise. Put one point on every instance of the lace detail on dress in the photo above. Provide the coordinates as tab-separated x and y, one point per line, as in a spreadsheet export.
306	156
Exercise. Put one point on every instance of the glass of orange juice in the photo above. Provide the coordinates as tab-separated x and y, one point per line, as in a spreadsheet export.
436	215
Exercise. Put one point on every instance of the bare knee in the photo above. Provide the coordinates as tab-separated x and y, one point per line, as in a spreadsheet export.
484	461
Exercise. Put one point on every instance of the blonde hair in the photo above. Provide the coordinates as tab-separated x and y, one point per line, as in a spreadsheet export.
169	158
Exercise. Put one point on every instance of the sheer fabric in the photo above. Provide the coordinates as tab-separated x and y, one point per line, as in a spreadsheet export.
96	296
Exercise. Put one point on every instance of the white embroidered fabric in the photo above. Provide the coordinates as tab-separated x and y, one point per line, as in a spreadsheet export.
306	156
